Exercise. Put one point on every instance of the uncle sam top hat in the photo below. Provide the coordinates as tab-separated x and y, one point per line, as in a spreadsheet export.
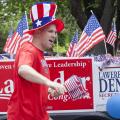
43	14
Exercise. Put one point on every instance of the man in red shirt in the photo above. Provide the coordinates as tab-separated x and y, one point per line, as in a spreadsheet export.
29	100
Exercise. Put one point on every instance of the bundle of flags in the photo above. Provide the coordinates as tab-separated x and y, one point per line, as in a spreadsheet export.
16	39
91	35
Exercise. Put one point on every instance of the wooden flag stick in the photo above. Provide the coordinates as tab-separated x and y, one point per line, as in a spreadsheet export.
26	19
91	11
57	45
114	51
105	47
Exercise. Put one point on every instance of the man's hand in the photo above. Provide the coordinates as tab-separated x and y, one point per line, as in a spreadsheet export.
54	93
57	89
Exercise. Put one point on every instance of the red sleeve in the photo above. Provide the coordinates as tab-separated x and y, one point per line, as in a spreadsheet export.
26	57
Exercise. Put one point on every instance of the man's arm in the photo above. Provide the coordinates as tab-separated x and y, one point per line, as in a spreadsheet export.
31	75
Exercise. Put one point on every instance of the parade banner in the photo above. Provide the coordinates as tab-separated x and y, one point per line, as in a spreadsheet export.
65	71
107	85
75	74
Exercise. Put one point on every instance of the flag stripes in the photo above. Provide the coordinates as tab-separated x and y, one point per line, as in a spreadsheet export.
112	36
71	52
87	43
92	35
8	41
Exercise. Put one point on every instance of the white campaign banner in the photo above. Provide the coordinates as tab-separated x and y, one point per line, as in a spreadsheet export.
107	85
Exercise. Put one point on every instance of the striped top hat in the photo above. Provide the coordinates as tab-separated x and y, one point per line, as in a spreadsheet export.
43	14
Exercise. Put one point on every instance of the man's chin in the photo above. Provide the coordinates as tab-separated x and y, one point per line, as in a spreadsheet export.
50	46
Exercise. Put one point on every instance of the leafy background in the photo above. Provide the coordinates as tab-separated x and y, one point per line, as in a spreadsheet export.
12	10
74	13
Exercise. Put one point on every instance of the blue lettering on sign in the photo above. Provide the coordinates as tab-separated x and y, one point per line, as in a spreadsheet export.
109	85
109	81
110	74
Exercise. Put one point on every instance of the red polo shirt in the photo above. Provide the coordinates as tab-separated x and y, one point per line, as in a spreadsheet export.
29	100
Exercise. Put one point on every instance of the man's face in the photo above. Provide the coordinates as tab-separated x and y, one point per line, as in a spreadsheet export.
47	36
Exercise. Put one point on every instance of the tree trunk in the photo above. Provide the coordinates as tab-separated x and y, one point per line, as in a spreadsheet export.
117	42
77	12
106	21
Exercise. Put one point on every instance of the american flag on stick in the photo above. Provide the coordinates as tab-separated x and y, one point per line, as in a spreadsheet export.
19	36
8	41
91	35
71	50
112	36
75	87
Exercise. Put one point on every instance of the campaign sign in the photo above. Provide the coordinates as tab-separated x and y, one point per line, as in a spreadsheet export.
6	84
77	76
108	85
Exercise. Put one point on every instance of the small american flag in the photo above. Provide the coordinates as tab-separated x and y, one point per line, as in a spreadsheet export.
8	41
91	35
112	36
75	87
19	36
74	41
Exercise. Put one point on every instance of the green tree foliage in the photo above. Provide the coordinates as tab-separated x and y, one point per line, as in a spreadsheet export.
12	11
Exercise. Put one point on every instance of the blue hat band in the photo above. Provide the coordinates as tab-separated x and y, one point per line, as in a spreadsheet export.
41	22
